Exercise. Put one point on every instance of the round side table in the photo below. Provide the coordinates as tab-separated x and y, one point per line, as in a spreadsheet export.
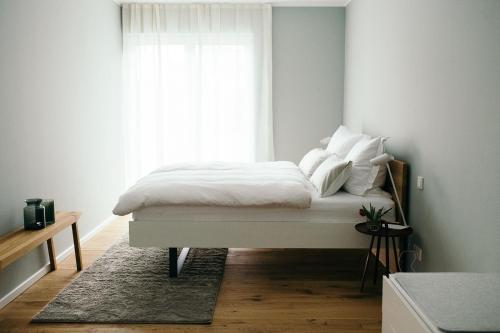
383	232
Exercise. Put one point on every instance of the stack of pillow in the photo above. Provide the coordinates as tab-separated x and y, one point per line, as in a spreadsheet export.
345	163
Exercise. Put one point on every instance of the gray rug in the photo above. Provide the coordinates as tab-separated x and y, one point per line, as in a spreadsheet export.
131	285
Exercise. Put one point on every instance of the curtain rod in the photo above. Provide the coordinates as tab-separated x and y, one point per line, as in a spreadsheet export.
275	3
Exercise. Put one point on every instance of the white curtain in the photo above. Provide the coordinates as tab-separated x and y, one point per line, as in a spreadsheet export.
197	84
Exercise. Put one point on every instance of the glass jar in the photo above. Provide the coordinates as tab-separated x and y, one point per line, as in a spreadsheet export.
34	214
50	215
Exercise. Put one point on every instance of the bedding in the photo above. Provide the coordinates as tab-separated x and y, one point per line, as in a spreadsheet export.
342	207
343	140
331	175
312	160
382	171
271	184
363	174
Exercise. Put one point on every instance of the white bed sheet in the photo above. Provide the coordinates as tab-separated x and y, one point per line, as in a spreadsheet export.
340	208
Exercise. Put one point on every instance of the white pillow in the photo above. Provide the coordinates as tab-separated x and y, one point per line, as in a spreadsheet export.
331	175
380	177
382	171
311	161
342	141
363	174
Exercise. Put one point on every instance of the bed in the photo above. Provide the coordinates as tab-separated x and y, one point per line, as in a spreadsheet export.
327	223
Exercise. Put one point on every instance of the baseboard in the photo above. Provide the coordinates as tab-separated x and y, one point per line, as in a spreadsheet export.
98	228
24	285
45	269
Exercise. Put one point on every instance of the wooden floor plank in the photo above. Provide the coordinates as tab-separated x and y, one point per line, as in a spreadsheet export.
262	291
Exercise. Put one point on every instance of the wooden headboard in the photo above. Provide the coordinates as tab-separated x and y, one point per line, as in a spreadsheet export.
399	171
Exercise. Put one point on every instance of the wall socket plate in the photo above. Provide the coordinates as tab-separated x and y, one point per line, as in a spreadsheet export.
420	183
418	252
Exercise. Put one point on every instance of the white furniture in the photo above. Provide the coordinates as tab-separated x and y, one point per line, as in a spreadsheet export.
441	302
399	312
328	223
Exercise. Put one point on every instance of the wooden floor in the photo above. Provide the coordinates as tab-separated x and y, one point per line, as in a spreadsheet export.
262	291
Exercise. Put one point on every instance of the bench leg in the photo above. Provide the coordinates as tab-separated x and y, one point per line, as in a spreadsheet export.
52	254
76	242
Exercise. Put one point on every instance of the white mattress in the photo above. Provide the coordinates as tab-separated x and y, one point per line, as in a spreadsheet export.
339	208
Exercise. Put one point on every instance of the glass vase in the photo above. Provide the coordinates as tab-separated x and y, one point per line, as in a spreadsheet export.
34	214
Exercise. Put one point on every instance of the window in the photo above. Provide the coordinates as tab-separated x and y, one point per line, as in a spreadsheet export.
193	96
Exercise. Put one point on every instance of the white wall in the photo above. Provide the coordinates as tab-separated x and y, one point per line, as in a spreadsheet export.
308	77
427	74
59	105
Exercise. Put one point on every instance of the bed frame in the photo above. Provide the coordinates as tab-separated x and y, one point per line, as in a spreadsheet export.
256	234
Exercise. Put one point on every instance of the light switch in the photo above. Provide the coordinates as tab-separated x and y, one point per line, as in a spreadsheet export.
420	183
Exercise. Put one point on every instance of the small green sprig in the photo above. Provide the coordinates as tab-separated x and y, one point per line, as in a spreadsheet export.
372	214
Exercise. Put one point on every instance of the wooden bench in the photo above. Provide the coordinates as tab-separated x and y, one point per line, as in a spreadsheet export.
16	244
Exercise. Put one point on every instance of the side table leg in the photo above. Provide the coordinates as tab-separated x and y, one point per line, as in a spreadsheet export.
52	254
387	263
76	242
366	263
394	249
377	260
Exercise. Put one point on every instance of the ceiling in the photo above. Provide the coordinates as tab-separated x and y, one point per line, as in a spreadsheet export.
275	3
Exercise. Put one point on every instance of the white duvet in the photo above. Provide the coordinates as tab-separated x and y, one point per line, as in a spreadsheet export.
265	184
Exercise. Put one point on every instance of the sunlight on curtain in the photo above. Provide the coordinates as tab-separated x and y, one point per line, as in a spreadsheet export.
197	84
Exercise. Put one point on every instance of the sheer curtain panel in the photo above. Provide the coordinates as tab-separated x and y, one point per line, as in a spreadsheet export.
197	84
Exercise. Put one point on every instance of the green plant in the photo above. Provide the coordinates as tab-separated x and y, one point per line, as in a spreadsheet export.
373	215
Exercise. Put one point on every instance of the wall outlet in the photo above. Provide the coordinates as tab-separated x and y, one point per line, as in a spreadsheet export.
418	252
420	183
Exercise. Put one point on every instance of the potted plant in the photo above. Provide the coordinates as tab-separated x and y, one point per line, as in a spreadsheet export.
373	216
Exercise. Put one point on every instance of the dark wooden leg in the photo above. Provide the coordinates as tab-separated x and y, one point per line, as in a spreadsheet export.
52	254
366	264
387	264
377	260
175	264
395	254
76	242
172	261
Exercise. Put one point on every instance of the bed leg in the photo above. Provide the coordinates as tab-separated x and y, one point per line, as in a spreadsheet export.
172	261
175	264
